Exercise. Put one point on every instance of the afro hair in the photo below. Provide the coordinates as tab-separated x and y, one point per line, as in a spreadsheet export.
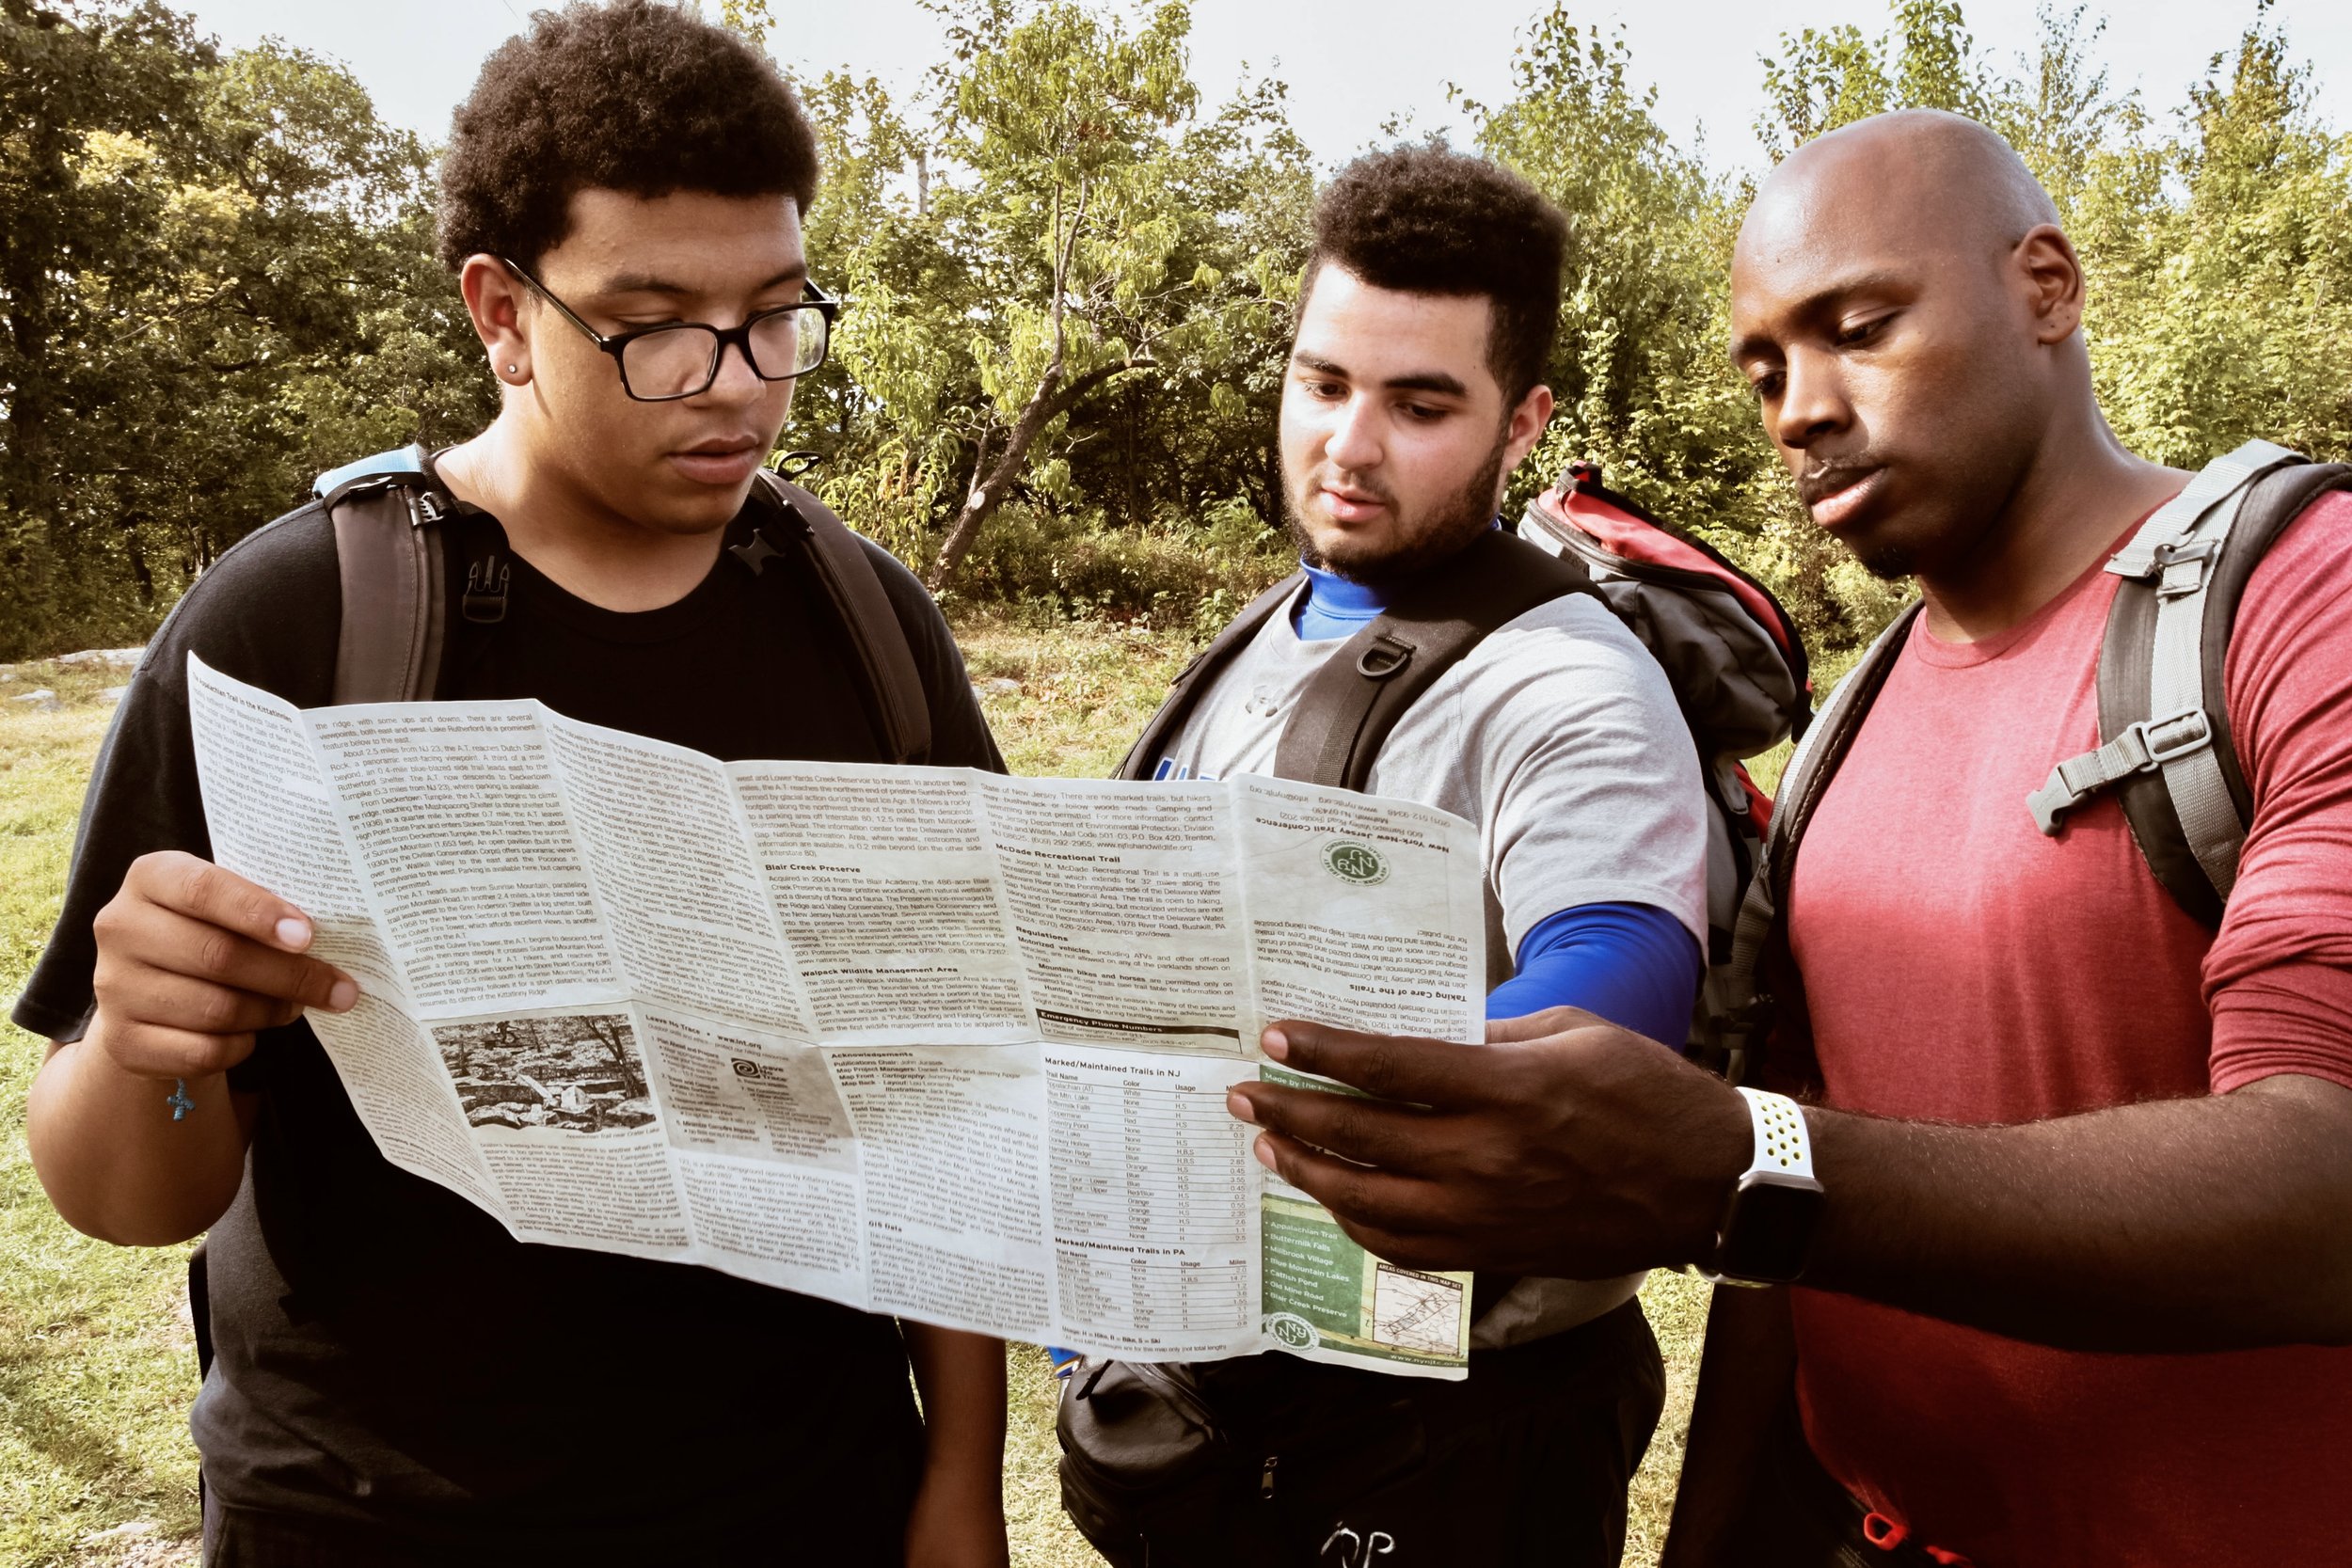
1429	220
635	97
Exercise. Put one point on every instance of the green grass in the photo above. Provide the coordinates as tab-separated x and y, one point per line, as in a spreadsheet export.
96	1366
97	1363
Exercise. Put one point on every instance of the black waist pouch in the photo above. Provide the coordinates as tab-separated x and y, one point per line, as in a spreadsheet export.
1230	1462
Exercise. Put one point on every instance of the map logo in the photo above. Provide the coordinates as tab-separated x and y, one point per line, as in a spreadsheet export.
1351	862
1294	1331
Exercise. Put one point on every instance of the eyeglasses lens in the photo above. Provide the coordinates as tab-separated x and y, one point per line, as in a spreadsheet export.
668	364
790	343
680	361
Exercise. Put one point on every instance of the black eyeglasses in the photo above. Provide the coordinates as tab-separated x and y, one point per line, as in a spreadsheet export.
680	359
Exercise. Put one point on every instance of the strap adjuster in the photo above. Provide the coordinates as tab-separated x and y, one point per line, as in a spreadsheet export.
2182	564
2195	734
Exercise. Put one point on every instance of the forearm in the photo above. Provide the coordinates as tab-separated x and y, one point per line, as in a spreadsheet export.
114	1162
2194	1225
1745	1382
961	1380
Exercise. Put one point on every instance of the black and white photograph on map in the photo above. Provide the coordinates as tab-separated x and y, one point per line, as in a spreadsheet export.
574	1072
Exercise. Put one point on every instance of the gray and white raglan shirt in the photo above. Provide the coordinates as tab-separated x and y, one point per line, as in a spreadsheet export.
1559	736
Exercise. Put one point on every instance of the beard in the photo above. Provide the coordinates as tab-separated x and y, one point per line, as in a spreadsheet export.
1889	563
1420	542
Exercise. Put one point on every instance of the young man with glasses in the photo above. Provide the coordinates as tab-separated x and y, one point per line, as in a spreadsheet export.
396	1380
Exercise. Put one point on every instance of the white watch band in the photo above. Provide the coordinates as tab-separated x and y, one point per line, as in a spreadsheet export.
1781	1142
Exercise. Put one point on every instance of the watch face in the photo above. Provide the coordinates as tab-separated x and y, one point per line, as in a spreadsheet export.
1768	1229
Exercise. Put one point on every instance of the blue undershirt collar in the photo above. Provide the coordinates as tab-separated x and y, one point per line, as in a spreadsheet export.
1331	606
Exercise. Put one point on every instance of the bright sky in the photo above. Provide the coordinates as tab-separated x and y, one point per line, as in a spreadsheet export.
1351	64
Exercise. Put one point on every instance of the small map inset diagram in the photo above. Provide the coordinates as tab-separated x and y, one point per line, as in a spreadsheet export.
1416	1311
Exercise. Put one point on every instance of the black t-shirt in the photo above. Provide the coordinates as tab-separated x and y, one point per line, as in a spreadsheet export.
386	1355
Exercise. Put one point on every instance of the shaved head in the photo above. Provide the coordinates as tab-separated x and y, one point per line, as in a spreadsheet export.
1908	311
1952	173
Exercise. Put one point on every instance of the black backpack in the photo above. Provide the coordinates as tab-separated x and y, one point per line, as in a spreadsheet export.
2164	723
388	555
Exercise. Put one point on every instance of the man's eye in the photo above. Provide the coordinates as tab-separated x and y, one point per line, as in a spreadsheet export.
1861	331
1324	390
1420	413
1768	385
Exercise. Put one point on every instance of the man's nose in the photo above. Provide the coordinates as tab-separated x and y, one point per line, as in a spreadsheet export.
1355	439
1813	401
736	381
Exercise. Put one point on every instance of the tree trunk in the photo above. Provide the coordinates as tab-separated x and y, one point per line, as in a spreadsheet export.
1048	403
1269	503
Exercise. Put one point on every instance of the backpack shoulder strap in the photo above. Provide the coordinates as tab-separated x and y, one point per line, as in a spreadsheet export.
388	560
1749	1007
1351	704
2163	728
1184	694
902	706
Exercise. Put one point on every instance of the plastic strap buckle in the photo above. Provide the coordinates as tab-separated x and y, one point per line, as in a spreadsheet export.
484	599
2182	564
2145	746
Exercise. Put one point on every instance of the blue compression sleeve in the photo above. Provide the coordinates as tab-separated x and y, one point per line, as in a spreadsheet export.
1634	964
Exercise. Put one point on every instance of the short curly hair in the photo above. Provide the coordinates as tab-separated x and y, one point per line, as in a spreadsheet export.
636	97
1429	220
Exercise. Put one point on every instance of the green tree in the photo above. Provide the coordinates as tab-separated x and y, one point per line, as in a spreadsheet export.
1640	373
1068	286
218	279
2221	264
1062	122
88	99
1642	376
1825	78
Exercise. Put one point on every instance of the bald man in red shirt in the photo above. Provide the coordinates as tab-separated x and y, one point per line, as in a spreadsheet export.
2080	1287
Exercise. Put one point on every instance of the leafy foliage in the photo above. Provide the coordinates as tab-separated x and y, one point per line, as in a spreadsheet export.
1070	282
218	280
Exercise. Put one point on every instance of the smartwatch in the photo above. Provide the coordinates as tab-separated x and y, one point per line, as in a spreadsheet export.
1769	1222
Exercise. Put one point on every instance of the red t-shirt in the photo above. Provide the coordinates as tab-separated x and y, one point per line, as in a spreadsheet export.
1962	968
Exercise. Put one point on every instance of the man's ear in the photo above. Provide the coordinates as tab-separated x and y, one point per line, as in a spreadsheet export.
494	298
1526	427
2051	276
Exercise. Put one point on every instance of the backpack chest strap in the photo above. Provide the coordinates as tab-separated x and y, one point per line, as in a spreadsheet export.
1348	706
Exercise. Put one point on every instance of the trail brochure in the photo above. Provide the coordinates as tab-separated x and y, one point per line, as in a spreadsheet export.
928	1041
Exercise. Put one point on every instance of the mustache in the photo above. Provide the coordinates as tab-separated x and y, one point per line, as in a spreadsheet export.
1832	475
1333	478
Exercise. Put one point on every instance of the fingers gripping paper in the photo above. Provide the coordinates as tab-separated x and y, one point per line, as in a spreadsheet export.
923	1041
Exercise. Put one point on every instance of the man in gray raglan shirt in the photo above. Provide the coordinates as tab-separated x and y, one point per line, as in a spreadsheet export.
1413	389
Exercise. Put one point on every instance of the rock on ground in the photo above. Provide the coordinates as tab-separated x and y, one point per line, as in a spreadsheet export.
123	659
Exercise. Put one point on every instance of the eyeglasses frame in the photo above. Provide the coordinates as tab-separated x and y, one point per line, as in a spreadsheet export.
738	336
